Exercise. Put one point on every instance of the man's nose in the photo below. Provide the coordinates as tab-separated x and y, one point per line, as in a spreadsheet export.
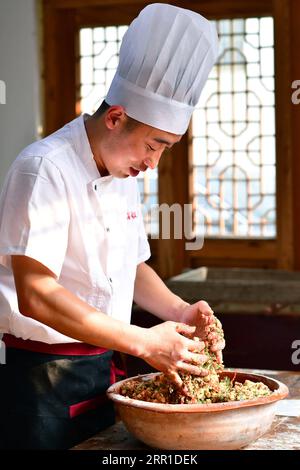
153	161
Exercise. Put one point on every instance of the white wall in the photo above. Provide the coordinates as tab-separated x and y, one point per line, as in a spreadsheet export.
20	116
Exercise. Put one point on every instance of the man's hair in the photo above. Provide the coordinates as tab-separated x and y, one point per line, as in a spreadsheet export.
130	122
102	108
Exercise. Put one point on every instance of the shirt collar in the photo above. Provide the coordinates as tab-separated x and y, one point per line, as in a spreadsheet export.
83	148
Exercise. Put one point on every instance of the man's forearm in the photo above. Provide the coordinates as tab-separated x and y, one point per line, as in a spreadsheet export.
151	294
58	308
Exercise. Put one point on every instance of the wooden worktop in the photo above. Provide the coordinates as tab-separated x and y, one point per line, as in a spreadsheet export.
283	435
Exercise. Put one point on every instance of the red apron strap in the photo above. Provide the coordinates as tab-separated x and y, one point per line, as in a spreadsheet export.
118	367
87	405
66	349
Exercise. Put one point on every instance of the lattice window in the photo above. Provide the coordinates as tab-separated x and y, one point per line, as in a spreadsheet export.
233	135
233	128
99	50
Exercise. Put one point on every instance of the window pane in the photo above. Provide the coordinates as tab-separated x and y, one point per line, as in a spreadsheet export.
233	134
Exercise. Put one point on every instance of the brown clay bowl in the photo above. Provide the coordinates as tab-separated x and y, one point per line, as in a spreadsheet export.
228	425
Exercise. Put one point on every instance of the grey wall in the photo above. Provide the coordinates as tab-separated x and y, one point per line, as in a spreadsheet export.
19	70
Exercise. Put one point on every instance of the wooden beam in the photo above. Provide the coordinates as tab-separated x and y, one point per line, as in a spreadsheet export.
227	262
294	33
68	4
59	67
284	160
256	249
173	189
220	9
216	9
107	15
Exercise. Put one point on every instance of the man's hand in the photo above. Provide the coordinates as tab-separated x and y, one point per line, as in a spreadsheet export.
168	348
202	317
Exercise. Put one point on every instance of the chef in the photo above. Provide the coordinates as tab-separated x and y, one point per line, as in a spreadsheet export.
73	245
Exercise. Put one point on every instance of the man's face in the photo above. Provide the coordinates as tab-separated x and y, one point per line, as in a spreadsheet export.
128	151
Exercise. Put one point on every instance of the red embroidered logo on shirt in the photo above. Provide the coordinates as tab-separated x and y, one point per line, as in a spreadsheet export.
131	215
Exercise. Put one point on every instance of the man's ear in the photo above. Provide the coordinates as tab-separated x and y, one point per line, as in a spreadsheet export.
114	117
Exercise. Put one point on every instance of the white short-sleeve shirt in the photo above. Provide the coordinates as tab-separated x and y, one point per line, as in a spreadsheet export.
87	229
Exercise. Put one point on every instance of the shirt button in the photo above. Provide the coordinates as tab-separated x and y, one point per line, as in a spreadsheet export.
95	187
110	279
107	229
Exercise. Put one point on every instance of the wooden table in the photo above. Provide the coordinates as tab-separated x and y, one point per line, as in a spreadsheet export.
283	435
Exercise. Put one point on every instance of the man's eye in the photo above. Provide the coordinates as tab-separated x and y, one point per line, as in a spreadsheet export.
151	148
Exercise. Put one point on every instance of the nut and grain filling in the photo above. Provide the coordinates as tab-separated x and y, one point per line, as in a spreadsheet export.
208	389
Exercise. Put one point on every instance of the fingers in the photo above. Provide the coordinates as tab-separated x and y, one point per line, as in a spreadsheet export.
219	357
204	308
195	346
184	329
208	319
206	313
218	346
175	378
196	359
191	369
213	337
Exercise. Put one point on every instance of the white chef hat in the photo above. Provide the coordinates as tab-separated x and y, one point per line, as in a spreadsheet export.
165	58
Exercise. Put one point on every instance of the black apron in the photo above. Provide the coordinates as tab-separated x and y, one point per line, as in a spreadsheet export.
53	401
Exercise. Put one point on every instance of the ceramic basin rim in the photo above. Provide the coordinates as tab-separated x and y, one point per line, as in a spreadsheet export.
280	392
